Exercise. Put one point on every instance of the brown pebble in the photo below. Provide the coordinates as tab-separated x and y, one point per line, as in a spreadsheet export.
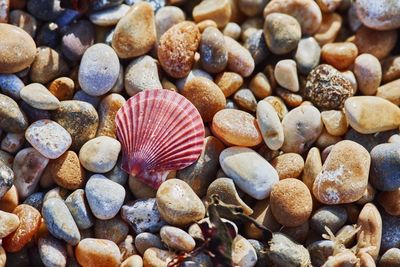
291	202
330	27
288	165
245	100
63	88
339	55
390	91
10	200
107	110
291	99
91	252
236	127
205	24
177	48
260	86
29	218
205	95
218	11
228	82
390	201
368	72
390	69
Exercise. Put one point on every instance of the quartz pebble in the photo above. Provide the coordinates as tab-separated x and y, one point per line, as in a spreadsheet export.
98	70
49	138
177	47
104	196
307	54
143	215
344	175
141	74
29	221
236	127
93	252
282	33
286	75
301	128
364	114
52	251
135	33
291	202
250	172
100	154
59	221
9	223
18	49
177	239
178	204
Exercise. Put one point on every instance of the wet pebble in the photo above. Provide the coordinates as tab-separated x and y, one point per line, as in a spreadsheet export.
104	196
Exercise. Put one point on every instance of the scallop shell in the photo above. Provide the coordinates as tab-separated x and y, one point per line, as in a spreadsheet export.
160	131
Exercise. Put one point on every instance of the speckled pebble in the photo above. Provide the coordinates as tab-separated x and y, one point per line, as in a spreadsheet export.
307	55
49	138
104	196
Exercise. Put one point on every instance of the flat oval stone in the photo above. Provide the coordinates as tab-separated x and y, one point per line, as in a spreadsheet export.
364	114
344	175
143	216
108	108
52	251
301	127
380	16
141	74
100	154
219	11
27	175
98	252
285	74
239	58
105	197
9	222
177	239
177	47
11	117
77	38
79	118
307	55
59	221
99	69
79	208
49	138
6	179
29	222
385	160
109	16
135	33
114	229
333	217
178	204
213	53
368	72
236	127
39	97
200	174
17	51
250	172
270	125
144	241
11	85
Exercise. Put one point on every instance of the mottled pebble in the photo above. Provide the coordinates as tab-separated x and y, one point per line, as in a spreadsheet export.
288	165
11	85
144	240
11	117
104	196
92	252
307	55
79	208
52	251
7	179
177	239
239	58
213	53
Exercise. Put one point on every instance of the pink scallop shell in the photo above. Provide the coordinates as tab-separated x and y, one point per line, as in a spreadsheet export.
160	131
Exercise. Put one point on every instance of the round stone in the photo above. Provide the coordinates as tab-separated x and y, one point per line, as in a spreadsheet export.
385	166
52	251
143	215
59	221
391	258
282	33
344	175
333	217
141	74
288	165
228	82
97	252
114	229
100	154
213	53
291	202
218	11
177	239
78	37
79	118
232	30
307	55
178	204
62	88
250	172
49	138
143	241
79	208
239	58
37	96
368	72
177	47
285	74
236	127
205	96
364	114
301	128
327	88
104	196
17	51
135	33
29	222
339	55
99	69
11	117
260	86
380	16
9	222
